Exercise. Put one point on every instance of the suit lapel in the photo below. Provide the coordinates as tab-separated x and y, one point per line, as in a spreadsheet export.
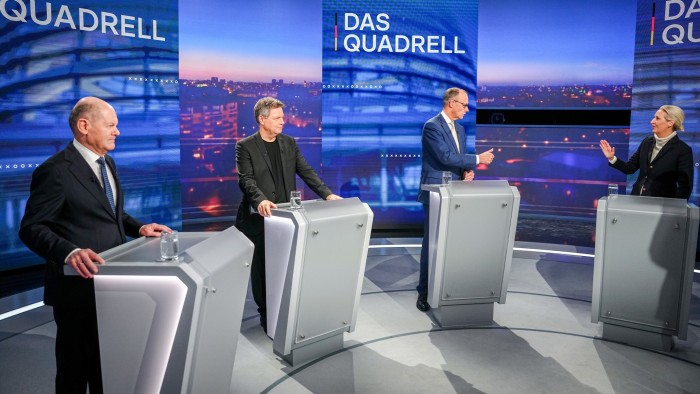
119	203
84	175
117	185
667	147
462	137
647	149
448	133
283	149
263	152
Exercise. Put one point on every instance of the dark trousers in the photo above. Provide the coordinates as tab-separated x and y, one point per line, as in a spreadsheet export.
257	272
77	350
422	287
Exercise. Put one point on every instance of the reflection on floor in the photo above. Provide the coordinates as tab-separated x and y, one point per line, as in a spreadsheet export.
542	341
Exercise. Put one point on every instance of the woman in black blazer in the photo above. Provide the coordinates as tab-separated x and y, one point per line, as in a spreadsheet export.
665	163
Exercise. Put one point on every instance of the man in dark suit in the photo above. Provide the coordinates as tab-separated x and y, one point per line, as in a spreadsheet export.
71	215
267	163
665	163
444	149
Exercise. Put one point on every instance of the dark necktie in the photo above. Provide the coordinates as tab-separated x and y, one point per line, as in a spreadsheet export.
105	182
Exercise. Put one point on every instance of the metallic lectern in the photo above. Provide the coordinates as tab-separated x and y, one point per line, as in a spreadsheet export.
314	265
643	270
471	236
172	327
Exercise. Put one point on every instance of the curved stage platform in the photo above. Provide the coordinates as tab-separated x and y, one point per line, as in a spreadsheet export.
542	340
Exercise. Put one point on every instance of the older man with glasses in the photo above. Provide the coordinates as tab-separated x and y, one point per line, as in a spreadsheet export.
444	149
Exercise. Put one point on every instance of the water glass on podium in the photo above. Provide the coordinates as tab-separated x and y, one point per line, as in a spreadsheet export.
295	199
446	177
169	246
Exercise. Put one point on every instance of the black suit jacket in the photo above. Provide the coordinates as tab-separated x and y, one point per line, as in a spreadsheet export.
255	177
68	209
669	175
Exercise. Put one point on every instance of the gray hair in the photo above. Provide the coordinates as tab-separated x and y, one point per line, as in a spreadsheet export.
80	110
264	105
450	94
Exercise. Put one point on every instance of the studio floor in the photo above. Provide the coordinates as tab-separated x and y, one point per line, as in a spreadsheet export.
542	340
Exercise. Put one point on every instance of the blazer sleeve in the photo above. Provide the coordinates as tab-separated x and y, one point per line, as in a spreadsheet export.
436	146
632	165
131	225
308	174
45	202
246	174
685	173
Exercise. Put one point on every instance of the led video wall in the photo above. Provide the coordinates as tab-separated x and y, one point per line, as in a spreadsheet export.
231	55
55	53
376	98
666	71
358	79
385	68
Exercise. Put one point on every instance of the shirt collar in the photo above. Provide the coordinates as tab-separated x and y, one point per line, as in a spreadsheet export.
447	118
87	154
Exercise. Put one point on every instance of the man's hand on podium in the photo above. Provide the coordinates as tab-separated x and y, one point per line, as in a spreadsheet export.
265	208
468	175
333	197
153	230
83	262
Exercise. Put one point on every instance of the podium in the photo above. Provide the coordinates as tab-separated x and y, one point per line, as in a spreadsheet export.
172	327
643	269
314	266
471	236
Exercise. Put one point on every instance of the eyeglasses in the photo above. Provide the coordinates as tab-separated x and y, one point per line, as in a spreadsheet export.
463	105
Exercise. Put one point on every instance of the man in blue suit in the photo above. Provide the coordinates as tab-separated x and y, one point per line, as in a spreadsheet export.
444	149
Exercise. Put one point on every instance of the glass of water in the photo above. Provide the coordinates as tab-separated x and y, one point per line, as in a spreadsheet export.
295	199
612	189
169	245
446	177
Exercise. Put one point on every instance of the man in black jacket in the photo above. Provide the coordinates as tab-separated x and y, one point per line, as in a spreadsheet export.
267	163
76	210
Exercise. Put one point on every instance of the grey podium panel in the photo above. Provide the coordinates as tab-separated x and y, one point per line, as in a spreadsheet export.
329	254
472	231
172	326
315	259
477	256
644	259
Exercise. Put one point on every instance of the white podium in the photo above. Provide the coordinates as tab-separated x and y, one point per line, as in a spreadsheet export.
314	266
643	269
172	327
471	237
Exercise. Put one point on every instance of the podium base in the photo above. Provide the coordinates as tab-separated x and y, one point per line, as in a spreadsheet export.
463	315
635	337
312	351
